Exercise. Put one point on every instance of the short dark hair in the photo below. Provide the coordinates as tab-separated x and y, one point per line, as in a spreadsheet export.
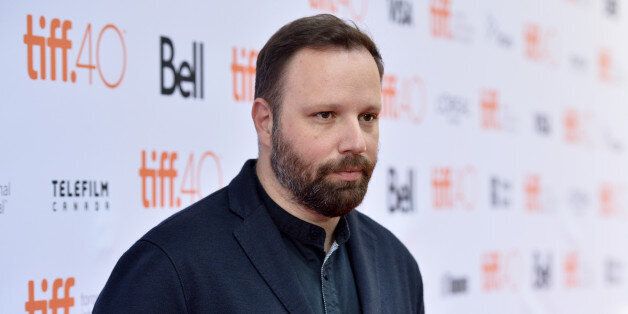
321	31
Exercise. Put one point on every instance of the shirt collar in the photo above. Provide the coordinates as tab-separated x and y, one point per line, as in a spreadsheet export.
298	229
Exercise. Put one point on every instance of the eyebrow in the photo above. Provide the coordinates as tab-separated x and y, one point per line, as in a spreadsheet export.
335	106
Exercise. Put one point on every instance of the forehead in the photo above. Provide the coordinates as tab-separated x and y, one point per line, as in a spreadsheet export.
333	75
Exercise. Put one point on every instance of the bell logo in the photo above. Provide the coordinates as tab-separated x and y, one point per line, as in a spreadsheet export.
56	302
611	7
400	196
500	192
160	185
542	269
440	14
243	73
542	124
186	73
400	12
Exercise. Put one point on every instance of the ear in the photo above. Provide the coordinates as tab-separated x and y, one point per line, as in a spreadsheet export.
263	121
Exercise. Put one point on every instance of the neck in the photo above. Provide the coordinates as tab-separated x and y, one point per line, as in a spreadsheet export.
281	196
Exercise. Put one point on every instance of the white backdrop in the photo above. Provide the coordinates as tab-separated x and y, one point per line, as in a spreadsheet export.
502	166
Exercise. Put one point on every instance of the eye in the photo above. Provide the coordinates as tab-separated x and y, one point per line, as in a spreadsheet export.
325	115
368	117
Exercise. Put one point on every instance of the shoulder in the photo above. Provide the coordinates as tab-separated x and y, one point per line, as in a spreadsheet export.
393	255
400	278
384	239
208	221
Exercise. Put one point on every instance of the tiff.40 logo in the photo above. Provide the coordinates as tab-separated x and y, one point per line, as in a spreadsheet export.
55	47
56	302
159	178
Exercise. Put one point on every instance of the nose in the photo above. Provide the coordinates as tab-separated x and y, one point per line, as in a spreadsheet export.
353	139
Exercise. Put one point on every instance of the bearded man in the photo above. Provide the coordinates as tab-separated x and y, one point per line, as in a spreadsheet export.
283	236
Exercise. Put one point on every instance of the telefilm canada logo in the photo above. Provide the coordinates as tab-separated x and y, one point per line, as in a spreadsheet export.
185	76
5	194
93	49
80	195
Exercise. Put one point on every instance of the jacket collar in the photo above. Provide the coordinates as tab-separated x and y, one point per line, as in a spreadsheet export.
261	241
363	253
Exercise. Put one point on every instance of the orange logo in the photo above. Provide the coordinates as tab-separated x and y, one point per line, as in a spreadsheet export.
537	43
453	188
605	65
576	124
442	187
532	189
356	9
57	45
491	271
489	108
497	267
243	73
405	98
607	200
440	14
164	172
571	269
56	303
612	198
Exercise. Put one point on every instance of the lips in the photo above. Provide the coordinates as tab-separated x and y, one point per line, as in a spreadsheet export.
349	174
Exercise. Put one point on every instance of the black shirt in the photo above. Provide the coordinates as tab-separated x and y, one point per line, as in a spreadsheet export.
327	279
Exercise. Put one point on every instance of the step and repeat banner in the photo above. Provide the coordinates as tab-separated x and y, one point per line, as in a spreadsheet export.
503	163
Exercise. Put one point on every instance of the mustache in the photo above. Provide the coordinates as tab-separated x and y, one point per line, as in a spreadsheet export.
358	162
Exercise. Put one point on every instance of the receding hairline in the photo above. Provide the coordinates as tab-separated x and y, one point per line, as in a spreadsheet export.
281	82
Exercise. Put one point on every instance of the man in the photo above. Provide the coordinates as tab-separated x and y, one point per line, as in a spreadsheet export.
283	235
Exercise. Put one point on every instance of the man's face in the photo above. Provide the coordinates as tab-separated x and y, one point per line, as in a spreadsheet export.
325	140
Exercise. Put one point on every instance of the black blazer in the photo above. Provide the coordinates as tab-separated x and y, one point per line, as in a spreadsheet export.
224	254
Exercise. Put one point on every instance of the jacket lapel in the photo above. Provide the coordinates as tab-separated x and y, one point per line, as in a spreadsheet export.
364	262
262	243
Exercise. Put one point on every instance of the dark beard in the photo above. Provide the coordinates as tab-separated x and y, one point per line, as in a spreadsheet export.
330	199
